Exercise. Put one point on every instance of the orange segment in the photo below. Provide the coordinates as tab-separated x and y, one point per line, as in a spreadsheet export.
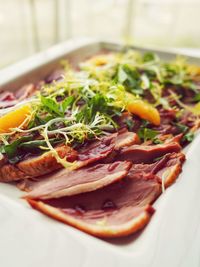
98	60
143	110
14	118
193	69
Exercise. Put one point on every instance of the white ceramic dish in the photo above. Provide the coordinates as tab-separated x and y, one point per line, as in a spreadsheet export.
30	239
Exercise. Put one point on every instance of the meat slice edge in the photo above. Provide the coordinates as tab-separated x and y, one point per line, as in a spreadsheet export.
80	213
126	229
113	211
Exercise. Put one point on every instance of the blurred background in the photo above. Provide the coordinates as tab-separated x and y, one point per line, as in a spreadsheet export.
29	26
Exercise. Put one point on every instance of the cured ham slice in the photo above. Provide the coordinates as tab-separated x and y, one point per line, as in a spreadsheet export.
67	183
35	166
113	211
147	154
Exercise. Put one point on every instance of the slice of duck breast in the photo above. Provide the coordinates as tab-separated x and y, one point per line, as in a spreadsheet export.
171	170
36	166
7	99
124	139
91	153
116	210
67	183
147	154
166	168
104	147
25	91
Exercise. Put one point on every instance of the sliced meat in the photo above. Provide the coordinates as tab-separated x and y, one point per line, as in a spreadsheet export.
7	99
147	154
133	122
125	139
171	169
116	210
46	163
3	160
6	96
55	76
169	138
96	150
26	91
67	183
167	168
151	168
168	122
101	149
166	138
36	166
188	119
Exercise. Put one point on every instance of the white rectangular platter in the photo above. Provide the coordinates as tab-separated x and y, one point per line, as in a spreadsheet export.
30	239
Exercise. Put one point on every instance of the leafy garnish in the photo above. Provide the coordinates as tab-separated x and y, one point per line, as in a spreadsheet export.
17	149
197	97
55	108
146	134
130	78
66	103
38	145
97	104
157	141
12	149
149	57
188	137
86	104
51	106
183	128
130	124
